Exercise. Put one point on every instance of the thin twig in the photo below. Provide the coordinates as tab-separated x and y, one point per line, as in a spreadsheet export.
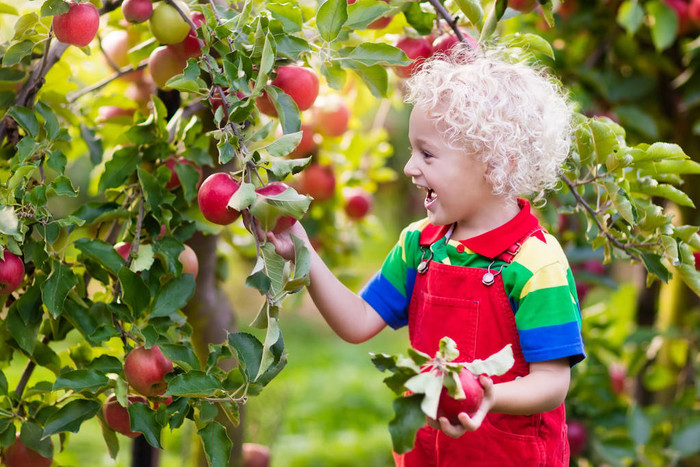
442	11
104	82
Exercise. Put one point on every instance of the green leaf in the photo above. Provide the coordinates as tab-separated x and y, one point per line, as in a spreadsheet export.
193	384
110	437
55	290
135	293
286	108
422	21
62	186
243	197
9	222
182	354
330	18
102	252
473	11
26	119
495	365
119	168
173	296
144	420
408	418
79	380
669	192
217	445
630	15
272	335
639	426
664	24
17	52
248	351
283	145
531	42
94	144
291	47
430	385
289	14
54	7
6	9
375	78
31	435
257	278
364	12
370	53
274	268
71	416
654	265
24	334
685	440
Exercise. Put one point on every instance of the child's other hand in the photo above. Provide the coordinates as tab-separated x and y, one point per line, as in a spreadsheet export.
468	423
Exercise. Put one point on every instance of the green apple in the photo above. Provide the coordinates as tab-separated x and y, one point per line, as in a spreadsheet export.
167	25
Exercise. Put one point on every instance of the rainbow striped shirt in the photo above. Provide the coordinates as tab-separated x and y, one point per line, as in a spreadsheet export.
538	283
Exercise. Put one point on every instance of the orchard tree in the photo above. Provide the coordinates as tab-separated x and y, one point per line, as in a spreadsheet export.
136	136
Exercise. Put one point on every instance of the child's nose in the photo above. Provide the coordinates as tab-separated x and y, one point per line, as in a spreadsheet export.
410	169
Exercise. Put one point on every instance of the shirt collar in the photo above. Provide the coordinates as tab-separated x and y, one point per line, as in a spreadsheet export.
494	242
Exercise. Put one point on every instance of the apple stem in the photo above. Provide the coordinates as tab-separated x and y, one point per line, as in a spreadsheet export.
440	9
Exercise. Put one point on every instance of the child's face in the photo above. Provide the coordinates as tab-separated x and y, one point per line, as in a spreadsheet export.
457	190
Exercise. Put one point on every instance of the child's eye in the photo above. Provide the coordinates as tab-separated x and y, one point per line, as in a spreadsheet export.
427	155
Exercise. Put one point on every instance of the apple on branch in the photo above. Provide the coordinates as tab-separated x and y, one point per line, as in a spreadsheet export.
145	370
189	47
358	203
300	83
417	49
379	23
307	144
137	11
213	197
444	43
318	181
331	115
577	435
189	261
174	181
117	417
255	455
166	24
78	26
116	45
19	455
11	272
523	6
164	63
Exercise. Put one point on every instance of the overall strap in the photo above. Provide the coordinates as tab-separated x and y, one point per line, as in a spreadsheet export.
509	255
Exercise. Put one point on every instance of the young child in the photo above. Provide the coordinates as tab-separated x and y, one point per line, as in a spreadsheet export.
480	269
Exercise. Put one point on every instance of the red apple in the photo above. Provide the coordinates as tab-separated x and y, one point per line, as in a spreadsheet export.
417	50
123	249
117	417
450	407
618	377
331	116
19	455
11	272
189	47
190	263
301	84
307	145
163	64
271	189
145	369
696	255
113	112
142	90
567	9
523	6
214	195
357	203
444	43
577	434
137	11
694	12
174	181
78	26
255	455
318	181
115	45
379	23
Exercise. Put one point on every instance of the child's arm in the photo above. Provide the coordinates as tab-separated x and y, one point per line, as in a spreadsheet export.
542	390
350	316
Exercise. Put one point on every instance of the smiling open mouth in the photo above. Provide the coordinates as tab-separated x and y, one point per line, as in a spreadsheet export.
430	198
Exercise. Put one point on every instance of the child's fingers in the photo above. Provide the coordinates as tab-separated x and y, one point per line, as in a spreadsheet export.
453	431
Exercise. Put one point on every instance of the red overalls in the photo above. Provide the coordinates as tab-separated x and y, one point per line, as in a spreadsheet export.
455	301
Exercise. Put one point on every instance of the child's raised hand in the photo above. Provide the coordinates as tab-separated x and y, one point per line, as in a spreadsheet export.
282	241
468	423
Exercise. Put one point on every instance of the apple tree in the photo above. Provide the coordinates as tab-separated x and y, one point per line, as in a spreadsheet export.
138	136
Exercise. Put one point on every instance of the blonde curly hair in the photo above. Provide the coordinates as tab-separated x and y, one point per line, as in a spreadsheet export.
514	117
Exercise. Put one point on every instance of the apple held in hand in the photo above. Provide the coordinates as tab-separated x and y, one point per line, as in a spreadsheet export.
117	417
19	455
301	84
214	195
166	24
318	181
78	26
11	272
474	394
267	214
137	11
145	370
417	50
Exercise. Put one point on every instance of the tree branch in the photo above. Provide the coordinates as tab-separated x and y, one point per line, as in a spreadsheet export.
104	82
442	11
